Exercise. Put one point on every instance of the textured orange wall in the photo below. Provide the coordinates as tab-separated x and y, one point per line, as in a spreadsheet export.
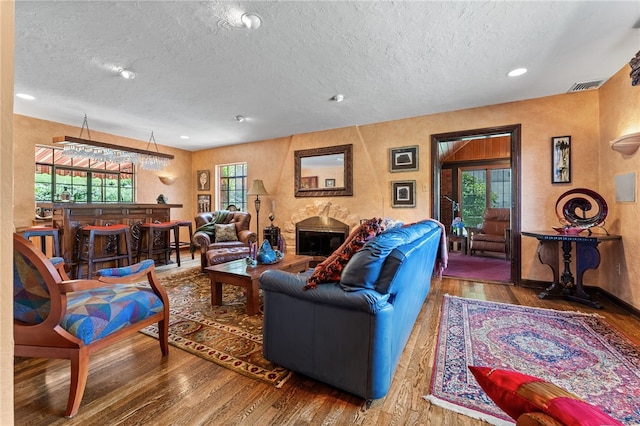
28	132
620	115
7	31
570	114
591	118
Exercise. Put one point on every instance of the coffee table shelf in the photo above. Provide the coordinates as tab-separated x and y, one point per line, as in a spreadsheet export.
238	273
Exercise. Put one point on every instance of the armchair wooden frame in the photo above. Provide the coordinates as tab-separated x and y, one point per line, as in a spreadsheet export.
48	339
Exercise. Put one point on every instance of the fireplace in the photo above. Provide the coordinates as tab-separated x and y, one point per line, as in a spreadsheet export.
320	236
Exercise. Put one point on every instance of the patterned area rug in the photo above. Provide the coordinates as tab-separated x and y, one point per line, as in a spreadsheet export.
579	352
224	334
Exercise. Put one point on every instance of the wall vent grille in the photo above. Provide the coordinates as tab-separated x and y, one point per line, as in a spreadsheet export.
586	85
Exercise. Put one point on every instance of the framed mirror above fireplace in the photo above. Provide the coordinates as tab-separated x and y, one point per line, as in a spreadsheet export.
324	172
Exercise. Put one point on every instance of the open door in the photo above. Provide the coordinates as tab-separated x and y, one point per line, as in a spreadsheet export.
474	170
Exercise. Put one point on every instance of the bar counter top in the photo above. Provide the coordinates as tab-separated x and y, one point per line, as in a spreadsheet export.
60	204
69	217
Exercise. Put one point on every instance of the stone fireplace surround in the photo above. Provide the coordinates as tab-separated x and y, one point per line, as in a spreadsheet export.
320	236
320	209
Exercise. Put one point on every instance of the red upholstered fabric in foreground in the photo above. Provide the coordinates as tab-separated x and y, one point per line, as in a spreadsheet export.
517	394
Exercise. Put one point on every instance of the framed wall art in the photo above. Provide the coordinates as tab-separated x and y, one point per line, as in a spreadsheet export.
403	193
204	178
309	182
561	159
330	183
404	159
204	203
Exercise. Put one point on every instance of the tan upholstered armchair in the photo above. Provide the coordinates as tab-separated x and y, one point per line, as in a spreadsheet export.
204	238
494	234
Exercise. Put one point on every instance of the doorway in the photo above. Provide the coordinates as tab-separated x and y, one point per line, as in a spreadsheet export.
495	173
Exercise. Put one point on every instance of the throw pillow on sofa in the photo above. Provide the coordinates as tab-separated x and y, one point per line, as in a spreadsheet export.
330	269
517	394
226	232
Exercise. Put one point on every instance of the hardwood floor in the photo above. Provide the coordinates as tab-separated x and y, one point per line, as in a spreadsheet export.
131	384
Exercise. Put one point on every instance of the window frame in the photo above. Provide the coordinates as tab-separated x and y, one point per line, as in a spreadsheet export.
223	202
124	172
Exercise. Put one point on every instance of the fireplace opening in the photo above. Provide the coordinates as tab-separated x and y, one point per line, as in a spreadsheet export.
319	236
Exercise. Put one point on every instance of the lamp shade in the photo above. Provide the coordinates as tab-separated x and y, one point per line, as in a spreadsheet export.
257	188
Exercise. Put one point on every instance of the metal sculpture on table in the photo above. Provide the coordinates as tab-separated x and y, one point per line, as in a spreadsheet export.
573	209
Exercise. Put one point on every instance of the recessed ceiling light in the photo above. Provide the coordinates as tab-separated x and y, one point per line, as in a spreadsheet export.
516	72
338	98
251	21
184	137
25	96
240	118
128	74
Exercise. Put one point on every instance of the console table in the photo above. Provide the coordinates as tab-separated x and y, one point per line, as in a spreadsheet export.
587	257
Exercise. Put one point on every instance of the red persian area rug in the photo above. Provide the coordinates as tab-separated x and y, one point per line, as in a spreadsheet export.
578	352
224	334
478	267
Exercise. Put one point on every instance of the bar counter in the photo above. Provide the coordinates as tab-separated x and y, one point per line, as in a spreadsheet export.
68	217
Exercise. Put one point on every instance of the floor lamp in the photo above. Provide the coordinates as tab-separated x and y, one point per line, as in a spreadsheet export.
257	189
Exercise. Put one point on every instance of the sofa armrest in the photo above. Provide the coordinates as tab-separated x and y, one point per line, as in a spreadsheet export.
247	236
329	294
202	241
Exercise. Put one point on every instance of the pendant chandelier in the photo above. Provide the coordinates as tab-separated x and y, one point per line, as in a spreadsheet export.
102	151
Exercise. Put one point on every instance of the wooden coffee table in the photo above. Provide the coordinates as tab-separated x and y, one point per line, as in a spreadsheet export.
237	272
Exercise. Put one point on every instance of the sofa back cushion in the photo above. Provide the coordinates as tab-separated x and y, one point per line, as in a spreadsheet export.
375	265
240	219
495	221
331	268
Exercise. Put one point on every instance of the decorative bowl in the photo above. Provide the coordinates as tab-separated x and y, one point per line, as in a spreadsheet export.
569	230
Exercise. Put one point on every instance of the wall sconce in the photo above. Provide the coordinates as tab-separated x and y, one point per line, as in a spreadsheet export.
167	180
627	144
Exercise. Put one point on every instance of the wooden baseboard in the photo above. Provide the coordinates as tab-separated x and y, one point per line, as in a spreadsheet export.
597	291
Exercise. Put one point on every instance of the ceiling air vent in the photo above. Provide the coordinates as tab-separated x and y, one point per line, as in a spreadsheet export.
585	85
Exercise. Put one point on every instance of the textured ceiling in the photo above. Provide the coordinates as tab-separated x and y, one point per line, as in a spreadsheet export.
197	68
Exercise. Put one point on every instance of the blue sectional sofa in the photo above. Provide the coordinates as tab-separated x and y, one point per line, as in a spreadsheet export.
351	334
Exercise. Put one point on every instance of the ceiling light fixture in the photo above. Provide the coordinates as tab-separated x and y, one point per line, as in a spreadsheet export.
517	72
251	21
25	96
102	151
338	98
184	137
127	74
240	118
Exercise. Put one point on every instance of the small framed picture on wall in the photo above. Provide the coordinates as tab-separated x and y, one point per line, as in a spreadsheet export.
404	159
204	177
204	203
403	193
561	159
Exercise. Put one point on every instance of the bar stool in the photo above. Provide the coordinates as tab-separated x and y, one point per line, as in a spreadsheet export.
43	232
156	244
185	244
112	247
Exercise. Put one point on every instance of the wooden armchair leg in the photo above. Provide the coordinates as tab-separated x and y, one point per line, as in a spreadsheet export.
79	374
163	336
